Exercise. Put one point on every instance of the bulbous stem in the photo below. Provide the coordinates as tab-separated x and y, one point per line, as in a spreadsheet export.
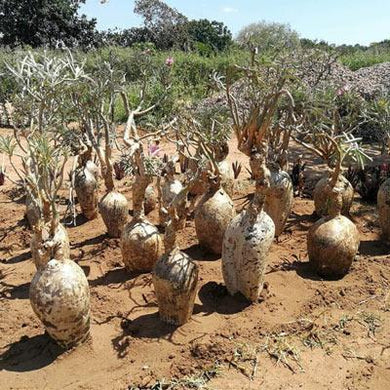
262	177
170	237
108	179
85	157
140	184
176	222
214	185
336	202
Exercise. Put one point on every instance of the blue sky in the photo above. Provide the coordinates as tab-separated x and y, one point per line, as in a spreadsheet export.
336	21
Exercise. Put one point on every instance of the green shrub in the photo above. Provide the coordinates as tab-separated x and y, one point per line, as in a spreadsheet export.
362	59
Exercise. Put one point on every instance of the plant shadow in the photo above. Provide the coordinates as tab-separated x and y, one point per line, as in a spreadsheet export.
147	326
114	276
215	298
30	354
9	291
305	270
300	222
22	223
197	252
19	258
374	248
81	219
90	241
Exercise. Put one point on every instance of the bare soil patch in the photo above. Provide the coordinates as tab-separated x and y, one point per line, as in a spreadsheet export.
304	333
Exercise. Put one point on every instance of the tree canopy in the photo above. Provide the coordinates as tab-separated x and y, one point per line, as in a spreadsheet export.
268	36
50	23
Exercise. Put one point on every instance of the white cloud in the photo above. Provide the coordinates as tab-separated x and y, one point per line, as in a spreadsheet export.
229	10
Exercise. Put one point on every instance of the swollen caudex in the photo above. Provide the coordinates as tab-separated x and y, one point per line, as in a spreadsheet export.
86	185
383	201
213	214
333	241
248	239
59	296
322	194
175	275
33	210
279	199
151	199
227	177
170	188
141	243
113	208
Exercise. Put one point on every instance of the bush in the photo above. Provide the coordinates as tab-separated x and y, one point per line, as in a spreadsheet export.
362	59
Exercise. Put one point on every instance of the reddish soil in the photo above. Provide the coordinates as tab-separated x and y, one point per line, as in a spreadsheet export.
305	332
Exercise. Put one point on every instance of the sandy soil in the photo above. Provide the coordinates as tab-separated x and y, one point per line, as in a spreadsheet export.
305	333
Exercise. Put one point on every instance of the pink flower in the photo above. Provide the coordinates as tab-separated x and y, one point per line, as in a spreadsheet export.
341	91
154	150
169	61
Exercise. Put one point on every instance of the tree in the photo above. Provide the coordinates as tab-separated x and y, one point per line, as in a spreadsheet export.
165	24
215	35
51	23
268	36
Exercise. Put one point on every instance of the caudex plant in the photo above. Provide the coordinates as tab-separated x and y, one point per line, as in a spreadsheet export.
248	238
333	241
211	124
326	119
249	235
94	101
261	109
175	275
141	242
215	208
59	292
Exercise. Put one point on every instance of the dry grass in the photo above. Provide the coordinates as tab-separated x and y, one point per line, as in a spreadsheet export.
198	381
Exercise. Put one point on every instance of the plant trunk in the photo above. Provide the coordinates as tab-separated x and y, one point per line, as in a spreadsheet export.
86	185
59	296
45	246
384	208
279	199
175	279
33	211
322	194
227	177
333	241
113	208
212	216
